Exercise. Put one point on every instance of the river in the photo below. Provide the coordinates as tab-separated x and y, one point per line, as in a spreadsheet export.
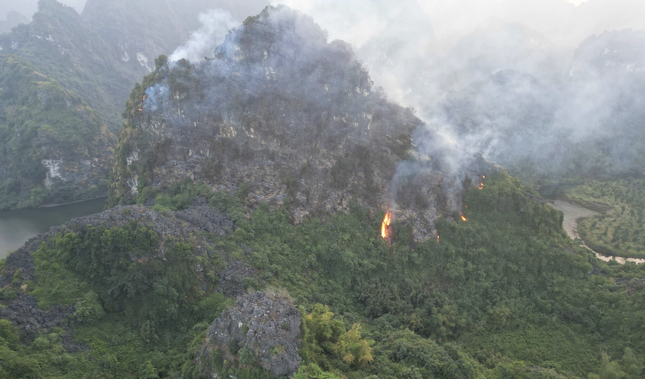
16	227
572	214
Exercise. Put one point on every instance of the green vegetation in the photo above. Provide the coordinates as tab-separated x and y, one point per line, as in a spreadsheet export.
504	295
39	120
127	275
328	339
137	311
620	231
74	56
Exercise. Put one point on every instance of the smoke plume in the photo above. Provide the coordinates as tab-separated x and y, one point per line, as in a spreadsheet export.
522	83
202	43
544	88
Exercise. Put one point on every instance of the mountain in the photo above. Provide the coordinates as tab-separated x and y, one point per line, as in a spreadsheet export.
257	249
142	30
93	58
614	55
13	19
53	147
59	44
112	44
278	111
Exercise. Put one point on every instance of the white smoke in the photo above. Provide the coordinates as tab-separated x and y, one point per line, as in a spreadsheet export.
490	78
202	43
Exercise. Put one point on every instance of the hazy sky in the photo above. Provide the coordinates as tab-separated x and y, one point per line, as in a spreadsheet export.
29	7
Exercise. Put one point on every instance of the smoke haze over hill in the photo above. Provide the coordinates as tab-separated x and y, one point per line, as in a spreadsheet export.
521	82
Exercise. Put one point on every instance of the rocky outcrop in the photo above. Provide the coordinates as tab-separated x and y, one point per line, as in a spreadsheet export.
22	310
267	324
195	225
33	322
182	224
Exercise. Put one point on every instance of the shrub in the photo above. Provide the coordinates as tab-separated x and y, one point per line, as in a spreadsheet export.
234	347
247	356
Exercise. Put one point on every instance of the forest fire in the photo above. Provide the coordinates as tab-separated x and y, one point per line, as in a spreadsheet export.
481	186
385	227
141	106
463	218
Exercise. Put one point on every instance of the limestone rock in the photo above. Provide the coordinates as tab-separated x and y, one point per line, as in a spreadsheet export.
265	323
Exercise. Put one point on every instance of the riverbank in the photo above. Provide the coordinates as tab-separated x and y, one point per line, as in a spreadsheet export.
573	214
73	202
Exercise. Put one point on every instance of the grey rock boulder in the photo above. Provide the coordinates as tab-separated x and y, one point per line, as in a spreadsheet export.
268	324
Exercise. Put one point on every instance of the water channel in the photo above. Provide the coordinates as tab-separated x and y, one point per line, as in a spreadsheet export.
16	227
572	215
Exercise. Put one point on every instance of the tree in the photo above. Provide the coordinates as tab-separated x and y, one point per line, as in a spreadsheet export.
148	371
323	328
610	370
352	349
328	336
632	365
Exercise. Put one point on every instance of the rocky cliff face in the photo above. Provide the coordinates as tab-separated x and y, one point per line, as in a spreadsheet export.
278	109
266	324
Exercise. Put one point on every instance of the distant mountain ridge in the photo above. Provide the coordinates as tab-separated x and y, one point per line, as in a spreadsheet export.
586	123
13	19
100	53
53	147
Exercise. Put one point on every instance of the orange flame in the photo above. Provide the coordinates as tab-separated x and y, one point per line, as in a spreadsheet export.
141	106
385	226
438	238
463	218
481	186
